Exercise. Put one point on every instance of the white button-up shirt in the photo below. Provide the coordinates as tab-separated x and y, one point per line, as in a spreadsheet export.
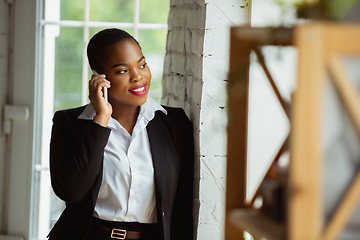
127	192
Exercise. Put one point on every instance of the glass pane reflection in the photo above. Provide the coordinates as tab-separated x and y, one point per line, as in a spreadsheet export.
112	10
151	12
72	10
68	68
153	43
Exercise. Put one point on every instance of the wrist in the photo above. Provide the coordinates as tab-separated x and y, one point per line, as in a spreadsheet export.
102	119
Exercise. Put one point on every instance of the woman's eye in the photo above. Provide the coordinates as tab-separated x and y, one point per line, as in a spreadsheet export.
122	71
143	65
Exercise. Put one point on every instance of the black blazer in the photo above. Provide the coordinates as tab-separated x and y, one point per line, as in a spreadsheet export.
76	162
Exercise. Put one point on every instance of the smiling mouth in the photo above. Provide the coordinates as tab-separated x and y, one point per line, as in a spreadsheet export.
139	90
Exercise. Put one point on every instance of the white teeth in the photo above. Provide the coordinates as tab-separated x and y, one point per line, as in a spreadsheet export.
139	89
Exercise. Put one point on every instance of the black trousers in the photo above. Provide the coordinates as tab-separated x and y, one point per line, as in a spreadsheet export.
97	227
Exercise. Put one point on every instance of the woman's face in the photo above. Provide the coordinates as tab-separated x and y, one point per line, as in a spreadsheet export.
128	74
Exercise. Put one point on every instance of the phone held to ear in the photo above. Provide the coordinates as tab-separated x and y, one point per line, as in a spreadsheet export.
104	88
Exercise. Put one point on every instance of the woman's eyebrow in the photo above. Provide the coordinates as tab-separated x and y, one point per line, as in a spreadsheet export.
126	64
141	59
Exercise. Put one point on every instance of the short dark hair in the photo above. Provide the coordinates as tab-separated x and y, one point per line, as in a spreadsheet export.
96	49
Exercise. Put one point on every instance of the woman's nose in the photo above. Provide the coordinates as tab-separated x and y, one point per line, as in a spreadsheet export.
135	76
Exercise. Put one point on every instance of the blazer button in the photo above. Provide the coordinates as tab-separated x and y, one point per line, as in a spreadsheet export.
163	214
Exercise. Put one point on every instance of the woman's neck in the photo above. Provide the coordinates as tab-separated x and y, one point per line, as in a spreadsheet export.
126	116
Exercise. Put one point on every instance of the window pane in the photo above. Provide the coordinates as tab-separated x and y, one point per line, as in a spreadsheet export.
151	12
112	10
153	44
68	68
72	10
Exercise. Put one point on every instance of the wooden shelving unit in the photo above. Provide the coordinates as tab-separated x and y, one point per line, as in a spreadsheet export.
320	47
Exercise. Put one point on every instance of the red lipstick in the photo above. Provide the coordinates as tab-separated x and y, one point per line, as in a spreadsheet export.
139	90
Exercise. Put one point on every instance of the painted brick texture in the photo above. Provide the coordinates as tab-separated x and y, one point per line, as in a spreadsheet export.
195	78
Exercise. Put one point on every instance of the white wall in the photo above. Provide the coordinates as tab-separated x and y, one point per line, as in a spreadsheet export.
195	78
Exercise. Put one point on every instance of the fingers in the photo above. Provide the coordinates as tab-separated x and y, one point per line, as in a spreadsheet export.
96	95
98	81
95	85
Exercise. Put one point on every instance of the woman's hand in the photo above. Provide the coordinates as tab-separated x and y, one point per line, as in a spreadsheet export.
102	108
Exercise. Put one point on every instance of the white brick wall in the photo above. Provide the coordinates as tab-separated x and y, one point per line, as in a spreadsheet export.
195	77
4	35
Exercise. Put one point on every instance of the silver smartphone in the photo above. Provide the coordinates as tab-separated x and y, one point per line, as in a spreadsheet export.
104	88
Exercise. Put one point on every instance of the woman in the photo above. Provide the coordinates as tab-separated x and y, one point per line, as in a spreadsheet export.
123	167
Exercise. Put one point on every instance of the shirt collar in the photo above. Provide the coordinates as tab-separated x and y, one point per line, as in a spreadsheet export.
147	110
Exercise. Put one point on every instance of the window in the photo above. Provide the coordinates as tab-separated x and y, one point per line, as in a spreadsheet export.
66	27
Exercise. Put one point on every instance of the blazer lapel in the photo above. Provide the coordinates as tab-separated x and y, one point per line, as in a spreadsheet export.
156	139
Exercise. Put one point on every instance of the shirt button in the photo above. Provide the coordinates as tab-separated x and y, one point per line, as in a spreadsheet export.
163	214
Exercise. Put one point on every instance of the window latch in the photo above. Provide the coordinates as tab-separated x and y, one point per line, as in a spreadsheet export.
17	113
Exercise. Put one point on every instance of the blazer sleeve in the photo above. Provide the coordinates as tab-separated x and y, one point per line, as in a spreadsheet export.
182	216
76	155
